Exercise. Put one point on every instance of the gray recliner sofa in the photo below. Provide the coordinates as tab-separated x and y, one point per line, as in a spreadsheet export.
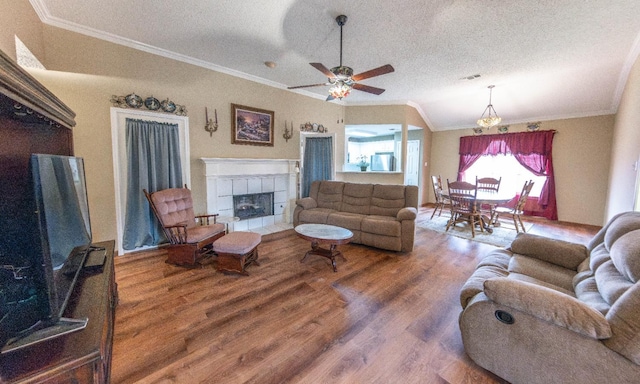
550	311
379	215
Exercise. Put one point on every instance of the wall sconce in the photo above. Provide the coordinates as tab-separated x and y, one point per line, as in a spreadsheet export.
287	133
211	125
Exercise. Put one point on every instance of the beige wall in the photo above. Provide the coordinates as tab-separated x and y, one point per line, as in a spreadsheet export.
581	158
626	148
17	18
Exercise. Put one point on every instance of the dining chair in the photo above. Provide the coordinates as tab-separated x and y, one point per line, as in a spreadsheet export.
462	196
517	210
488	184
441	201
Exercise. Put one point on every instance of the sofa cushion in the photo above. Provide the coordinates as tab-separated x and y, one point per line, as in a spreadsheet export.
599	255
345	220
381	225
543	271
542	283
387	200
356	198
587	292
624	318
563	253
622	225
499	258
330	195
611	283
625	254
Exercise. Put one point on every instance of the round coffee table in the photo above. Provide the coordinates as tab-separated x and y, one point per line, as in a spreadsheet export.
327	234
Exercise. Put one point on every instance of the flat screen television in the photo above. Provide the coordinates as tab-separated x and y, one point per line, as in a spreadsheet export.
36	293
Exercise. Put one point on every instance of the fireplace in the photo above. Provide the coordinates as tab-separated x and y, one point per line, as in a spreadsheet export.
253	205
229	177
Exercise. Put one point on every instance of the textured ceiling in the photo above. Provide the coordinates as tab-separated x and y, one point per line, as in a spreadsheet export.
547	59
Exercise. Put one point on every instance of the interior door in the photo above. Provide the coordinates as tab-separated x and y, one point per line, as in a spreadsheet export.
412	174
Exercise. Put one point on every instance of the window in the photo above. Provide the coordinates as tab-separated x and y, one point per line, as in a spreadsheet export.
506	166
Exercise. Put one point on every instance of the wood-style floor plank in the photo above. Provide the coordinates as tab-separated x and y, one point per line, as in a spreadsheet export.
384	317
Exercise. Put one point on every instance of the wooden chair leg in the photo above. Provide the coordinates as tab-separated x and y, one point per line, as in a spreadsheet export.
521	224
515	223
473	226
434	211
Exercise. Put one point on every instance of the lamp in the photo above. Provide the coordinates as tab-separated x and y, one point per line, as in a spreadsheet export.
489	121
339	89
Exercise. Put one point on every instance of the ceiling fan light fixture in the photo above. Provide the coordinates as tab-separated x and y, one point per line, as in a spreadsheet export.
339	90
490	120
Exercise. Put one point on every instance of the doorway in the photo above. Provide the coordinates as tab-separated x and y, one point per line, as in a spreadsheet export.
119	151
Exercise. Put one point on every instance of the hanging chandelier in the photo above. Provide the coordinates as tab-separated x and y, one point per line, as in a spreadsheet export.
490	120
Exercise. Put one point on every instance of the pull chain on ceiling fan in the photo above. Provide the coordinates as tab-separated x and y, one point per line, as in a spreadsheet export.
341	78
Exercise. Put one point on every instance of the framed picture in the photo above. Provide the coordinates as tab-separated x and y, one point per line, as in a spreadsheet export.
251	126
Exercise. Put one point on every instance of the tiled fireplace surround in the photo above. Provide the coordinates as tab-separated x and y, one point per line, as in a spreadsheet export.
226	177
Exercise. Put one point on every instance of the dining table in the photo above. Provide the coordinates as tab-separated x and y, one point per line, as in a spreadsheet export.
491	198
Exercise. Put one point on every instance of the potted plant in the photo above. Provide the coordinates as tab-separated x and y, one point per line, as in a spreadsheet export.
362	163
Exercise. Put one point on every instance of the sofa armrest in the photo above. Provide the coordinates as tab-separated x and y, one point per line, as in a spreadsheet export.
558	252
307	203
548	305
408	213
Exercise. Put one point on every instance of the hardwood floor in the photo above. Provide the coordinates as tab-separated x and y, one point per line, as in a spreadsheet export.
384	317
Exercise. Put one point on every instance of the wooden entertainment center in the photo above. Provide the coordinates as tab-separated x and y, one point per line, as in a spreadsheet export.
79	357
33	120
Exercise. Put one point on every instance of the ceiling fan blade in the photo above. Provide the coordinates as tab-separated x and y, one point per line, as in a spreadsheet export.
368	88
373	72
307	86
320	67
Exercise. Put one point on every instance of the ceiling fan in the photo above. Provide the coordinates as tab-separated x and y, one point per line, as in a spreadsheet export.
341	78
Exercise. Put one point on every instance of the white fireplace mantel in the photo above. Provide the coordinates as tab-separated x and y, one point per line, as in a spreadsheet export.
234	166
224	177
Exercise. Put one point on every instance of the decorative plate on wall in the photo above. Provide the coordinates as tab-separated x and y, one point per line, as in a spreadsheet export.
152	103
533	126
133	100
168	106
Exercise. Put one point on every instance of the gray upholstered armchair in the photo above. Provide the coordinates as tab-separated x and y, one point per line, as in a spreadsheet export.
549	311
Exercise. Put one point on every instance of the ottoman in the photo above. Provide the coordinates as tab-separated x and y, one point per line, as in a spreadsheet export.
236	251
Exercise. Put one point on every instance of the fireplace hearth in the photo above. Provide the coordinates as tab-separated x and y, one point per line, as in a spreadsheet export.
253	205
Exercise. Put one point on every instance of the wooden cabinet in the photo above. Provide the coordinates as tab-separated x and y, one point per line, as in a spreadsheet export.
80	357
33	120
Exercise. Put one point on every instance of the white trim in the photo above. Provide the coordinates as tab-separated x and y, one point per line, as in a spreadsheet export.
119	153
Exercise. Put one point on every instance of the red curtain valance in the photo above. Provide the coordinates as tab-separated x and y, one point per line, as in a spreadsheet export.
524	143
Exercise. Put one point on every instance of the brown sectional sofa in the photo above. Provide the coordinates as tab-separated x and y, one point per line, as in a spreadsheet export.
549	311
381	216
